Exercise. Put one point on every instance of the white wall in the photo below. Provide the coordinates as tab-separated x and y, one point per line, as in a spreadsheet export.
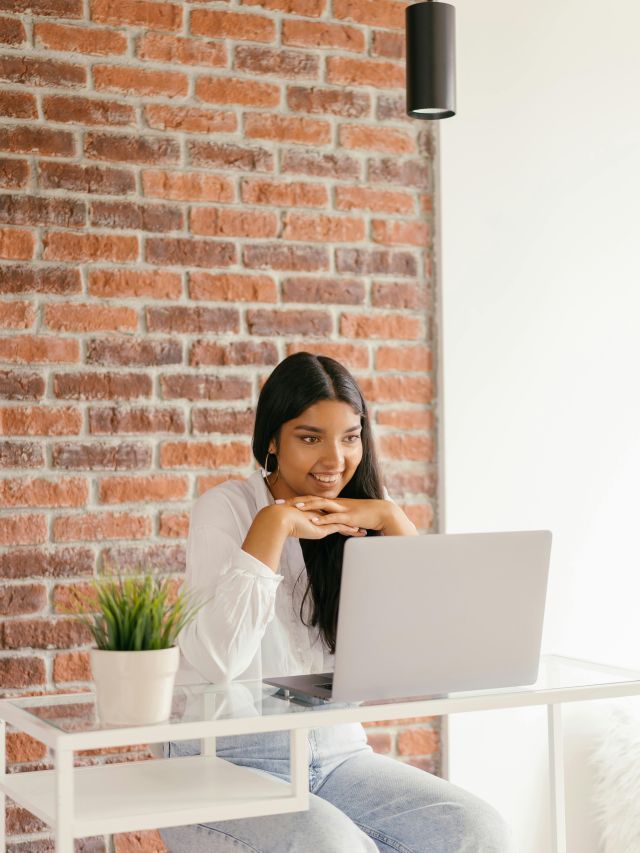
540	193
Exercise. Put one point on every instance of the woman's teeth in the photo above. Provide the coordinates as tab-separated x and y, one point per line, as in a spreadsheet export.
333	479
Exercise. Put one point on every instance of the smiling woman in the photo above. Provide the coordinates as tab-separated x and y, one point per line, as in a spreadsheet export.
268	553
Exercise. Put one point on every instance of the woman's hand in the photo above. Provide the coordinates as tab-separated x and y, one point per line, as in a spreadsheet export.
365	514
299	524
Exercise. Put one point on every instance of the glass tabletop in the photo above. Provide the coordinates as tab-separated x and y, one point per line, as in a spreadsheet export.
197	702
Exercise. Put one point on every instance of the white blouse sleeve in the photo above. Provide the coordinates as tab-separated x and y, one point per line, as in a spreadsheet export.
224	638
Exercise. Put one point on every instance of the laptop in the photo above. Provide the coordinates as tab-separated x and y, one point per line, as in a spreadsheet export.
434	614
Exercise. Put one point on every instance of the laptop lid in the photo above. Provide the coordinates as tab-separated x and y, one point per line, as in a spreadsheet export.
440	613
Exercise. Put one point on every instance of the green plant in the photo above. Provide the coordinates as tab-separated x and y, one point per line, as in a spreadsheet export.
134	613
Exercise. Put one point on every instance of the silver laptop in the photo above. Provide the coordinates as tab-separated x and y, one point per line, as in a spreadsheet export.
434	614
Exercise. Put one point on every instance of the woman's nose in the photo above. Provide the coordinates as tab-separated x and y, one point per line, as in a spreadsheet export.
333	458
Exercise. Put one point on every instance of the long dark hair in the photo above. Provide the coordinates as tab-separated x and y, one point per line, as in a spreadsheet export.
299	381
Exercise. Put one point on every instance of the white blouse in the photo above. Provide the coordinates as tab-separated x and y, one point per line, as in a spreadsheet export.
251	627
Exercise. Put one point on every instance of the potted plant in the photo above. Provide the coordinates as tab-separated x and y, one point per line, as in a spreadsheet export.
136	658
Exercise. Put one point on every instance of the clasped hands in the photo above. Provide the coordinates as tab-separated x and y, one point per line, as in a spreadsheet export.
349	516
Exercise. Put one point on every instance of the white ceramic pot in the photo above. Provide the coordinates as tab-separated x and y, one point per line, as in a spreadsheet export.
134	688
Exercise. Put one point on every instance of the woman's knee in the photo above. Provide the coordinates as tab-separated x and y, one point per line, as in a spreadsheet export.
484	829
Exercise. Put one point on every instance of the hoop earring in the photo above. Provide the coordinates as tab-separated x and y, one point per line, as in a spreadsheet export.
265	472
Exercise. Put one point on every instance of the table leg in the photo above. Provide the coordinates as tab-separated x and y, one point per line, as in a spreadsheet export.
299	766
556	779
64	800
3	798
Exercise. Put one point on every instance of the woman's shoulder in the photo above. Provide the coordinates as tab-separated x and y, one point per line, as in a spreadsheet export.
235	498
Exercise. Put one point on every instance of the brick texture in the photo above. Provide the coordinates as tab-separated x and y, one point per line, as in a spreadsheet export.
189	193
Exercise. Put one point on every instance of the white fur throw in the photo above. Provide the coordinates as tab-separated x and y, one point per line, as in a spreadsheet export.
617	781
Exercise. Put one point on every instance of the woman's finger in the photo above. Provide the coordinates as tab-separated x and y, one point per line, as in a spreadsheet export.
344	529
334	518
315	502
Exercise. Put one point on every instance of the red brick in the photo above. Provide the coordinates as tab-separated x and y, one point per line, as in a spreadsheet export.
16	315
12	31
283	194
139	217
233	90
222	420
21	672
399	294
307	8
219	23
17	104
376	262
89	317
21	454
132	149
139	81
16	245
374	13
281	257
203	454
340	291
394	389
31	349
86	179
275	62
141	841
56	8
417	742
224	222
71	666
232	287
36	562
114	283
92	527
15	385
68	246
155	487
145	352
34	210
324	229
230	156
74	39
388	44
416	358
407	447
211	480
101	457
138	13
112	420
21	599
31	71
379	741
204	387
23	530
379	201
233	353
389	326
87	111
174	525
395	232
406	418
334	101
345	71
23	279
376	139
43	634
190	119
39	492
194	186
351	355
314	163
180	50
22	747
102	386
421	515
14	174
184	251
306	322
165	558
304	131
392	170
322	34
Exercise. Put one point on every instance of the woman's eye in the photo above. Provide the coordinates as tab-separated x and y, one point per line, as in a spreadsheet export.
354	437
308	439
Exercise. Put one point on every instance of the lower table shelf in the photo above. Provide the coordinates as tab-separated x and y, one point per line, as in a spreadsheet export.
155	793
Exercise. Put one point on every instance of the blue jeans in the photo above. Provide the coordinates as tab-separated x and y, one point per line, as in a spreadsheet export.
359	802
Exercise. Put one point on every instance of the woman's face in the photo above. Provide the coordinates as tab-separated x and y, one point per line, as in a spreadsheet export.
322	442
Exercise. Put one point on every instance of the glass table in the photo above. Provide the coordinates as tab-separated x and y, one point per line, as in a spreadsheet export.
108	798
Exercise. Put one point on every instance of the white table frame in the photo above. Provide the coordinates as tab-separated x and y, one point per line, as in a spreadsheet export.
56	796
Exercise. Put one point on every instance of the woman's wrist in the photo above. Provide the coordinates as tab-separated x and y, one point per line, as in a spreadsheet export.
267	535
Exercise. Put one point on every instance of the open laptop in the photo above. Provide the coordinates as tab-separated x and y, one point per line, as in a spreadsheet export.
434	614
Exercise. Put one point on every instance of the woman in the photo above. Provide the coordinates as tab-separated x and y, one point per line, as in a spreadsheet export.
269	549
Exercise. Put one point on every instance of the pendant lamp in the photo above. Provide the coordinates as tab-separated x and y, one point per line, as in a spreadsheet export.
431	60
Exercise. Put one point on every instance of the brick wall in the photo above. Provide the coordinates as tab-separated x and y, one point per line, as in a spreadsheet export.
188	193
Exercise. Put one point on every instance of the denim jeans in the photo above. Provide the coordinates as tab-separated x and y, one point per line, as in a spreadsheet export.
359	801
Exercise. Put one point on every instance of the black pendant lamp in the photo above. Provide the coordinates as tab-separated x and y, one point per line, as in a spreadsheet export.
431	60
